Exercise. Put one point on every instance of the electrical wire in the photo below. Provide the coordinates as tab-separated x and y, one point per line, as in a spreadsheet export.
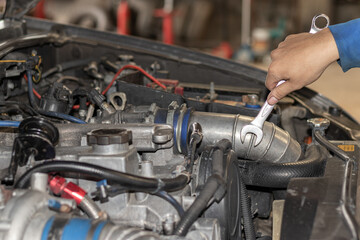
62	116
78	106
4	123
48	113
30	90
34	91
120	71
170	199
12	61
136	68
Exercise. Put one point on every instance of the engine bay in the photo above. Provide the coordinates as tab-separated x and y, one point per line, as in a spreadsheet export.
112	137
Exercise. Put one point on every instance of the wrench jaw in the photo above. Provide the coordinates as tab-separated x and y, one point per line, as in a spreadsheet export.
251	129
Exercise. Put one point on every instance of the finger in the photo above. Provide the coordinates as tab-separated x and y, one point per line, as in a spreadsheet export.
280	92
273	76
291	36
271	81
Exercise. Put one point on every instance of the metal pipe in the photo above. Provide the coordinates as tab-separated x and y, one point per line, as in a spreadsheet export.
276	145
20	211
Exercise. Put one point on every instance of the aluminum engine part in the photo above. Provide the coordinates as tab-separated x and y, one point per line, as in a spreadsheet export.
111	149
27	216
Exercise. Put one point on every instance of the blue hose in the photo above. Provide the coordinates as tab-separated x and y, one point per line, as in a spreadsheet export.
9	123
63	116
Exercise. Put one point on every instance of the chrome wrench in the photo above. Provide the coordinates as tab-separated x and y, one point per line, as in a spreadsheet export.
255	127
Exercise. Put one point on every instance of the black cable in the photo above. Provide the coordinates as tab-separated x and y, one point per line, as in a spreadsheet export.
245	205
213	183
24	108
170	199
199	205
191	155
65	66
30	91
91	171
115	190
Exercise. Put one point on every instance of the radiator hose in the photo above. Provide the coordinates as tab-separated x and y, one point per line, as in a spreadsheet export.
278	175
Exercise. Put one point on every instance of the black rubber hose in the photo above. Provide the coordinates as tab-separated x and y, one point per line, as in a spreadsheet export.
65	66
211	186
198	206
249	227
191	155
126	180
278	175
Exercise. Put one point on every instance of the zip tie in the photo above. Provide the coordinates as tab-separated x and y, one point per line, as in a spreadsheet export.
160	186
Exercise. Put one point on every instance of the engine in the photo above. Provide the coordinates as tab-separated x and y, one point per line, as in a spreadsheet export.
104	141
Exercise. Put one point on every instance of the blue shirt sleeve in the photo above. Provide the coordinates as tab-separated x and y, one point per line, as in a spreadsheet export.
347	38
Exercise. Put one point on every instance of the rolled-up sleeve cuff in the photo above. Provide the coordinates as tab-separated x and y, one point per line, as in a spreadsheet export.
347	38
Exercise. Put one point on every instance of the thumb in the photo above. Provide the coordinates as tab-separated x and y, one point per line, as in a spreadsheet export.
279	92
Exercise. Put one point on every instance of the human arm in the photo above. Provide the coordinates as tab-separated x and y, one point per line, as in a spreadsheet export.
302	58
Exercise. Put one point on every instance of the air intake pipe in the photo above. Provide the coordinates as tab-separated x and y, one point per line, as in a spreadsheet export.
276	145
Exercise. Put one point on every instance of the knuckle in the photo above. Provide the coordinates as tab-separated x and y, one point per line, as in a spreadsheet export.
273	69
267	83
279	93
297	85
274	53
290	37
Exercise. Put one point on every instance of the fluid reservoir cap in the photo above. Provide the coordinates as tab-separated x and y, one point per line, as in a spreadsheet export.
318	123
108	136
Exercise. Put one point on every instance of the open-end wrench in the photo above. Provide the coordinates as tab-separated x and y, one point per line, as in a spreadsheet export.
255	127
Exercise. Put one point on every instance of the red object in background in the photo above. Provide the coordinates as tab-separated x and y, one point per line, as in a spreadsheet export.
167	25
70	190
224	50
167	28
123	15
39	10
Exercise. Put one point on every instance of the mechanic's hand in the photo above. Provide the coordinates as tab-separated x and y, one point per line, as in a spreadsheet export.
300	60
